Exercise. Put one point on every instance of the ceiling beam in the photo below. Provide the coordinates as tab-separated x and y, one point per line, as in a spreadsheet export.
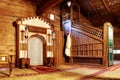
73	2
95	9
45	5
106	5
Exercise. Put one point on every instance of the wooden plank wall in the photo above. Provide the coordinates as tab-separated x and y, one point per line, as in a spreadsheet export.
59	39
86	49
10	10
56	11
116	56
58	47
116	42
18	8
79	38
116	37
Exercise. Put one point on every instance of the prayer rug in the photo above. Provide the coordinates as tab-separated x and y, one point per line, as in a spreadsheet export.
44	69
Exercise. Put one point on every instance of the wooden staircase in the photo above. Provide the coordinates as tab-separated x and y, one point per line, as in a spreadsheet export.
88	30
86	51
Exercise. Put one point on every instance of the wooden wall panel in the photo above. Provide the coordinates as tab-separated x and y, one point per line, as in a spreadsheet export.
56	11
79	38
84	20
116	56
58	47
59	40
86	49
116	38
87	60
21	8
10	10
7	35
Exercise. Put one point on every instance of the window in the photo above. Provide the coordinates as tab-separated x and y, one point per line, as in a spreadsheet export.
116	51
52	17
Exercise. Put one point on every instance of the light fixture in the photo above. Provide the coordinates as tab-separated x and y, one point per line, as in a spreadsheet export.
26	32
53	35
69	3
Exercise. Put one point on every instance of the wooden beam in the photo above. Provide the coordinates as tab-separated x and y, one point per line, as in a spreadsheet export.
95	9
45	5
106	5
74	1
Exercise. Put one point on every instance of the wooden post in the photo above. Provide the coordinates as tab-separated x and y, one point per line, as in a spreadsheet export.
105	46
10	66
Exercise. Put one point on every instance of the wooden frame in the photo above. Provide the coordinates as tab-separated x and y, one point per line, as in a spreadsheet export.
35	30
3	58
106	46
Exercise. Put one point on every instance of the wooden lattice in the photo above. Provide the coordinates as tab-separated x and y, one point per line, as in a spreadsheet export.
95	32
113	2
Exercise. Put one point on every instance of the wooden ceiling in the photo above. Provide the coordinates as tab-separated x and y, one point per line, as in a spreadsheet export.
44	5
97	11
100	11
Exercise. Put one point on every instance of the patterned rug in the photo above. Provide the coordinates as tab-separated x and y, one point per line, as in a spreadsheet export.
44	69
35	70
64	72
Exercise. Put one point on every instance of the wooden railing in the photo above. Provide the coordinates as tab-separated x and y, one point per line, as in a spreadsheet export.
93	50
89	30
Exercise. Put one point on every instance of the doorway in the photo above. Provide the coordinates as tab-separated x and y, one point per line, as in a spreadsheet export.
35	51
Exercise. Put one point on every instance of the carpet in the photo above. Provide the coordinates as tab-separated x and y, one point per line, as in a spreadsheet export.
34	70
17	72
64	72
44	69
35	73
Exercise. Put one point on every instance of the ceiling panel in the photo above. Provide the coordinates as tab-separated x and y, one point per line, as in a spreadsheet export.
103	10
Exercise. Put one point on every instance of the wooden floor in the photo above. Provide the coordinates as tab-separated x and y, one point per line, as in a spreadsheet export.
66	72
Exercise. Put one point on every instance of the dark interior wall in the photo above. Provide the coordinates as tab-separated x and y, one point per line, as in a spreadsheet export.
116	37
116	42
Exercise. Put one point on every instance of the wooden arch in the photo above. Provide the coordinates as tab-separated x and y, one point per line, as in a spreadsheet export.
44	46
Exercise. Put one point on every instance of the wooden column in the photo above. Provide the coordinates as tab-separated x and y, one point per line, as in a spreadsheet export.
105	46
58	48
106	52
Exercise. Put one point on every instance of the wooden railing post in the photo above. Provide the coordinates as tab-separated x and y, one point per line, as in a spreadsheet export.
10	66
106	43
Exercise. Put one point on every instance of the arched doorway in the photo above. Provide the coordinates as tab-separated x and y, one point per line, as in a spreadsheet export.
36	50
38	30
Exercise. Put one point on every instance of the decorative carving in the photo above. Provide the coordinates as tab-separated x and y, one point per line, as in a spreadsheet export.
37	30
95	32
35	26
32	20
